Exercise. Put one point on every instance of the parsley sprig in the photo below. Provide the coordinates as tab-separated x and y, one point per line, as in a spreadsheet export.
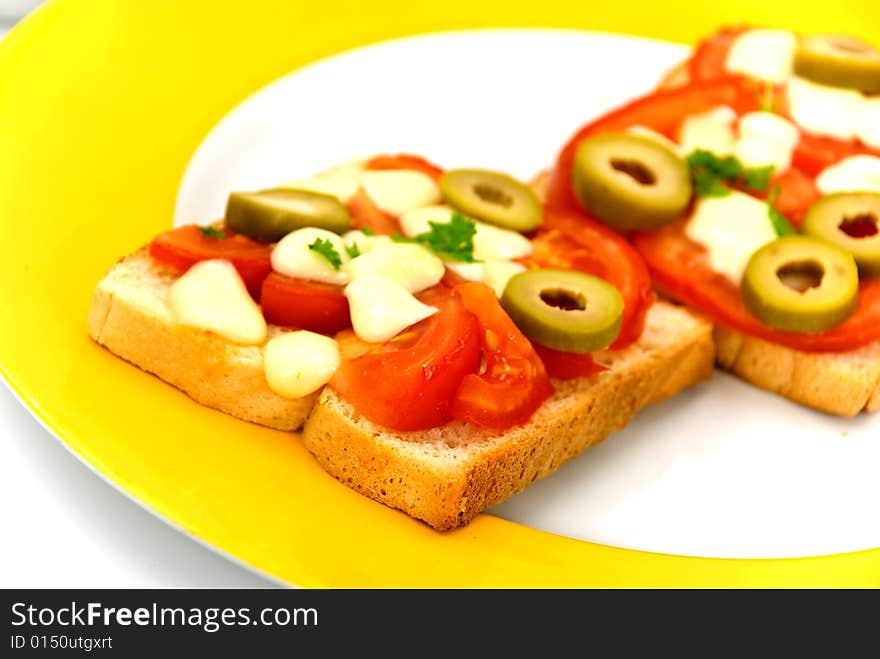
453	240
212	232
713	176
780	222
324	247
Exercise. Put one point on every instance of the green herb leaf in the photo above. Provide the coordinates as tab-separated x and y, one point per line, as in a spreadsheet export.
212	232
367	231
713	175
325	248
766	100
353	250
453	240
780	223
757	178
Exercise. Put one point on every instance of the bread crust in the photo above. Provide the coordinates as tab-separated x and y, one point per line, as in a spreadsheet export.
843	383
448	475
130	317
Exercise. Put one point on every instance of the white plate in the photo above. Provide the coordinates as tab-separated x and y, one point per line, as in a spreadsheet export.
723	470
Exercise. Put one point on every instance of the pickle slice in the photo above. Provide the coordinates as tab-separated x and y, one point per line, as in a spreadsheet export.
630	182
800	284
840	61
492	197
564	310
269	215
852	222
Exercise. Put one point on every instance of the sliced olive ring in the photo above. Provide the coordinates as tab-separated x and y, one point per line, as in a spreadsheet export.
800	284
852	222
629	181
492	197
564	310
269	215
840	61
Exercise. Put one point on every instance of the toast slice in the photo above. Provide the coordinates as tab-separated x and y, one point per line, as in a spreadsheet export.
130	316
447	475
842	383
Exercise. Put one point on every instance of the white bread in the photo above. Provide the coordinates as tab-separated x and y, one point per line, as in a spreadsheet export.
130	316
447	475
444	476
843	383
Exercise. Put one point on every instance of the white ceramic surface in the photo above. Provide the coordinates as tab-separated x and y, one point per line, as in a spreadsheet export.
722	470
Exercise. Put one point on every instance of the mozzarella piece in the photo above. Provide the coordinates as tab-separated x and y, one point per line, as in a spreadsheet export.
764	54
212	296
299	363
381	307
397	191
835	111
869	121
711	131
418	220
651	134
341	181
493	273
364	242
341	186
410	265
731	228
494	243
292	257
766	139
470	271
498	273
853	174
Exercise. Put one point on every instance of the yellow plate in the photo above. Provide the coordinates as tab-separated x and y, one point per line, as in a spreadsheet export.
103	103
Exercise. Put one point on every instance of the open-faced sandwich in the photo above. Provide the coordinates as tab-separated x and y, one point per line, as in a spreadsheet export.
442	338
750	183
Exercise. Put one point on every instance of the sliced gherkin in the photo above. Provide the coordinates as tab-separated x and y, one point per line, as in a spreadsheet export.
801	284
630	182
269	215
564	310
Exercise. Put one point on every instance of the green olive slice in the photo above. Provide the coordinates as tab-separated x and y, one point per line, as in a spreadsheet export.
269	215
840	61
800	284
564	310
852	222
492	197
629	181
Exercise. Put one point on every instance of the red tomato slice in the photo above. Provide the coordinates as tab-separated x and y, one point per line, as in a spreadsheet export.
364	213
816	152
405	161
302	304
514	383
661	111
185	246
575	241
410	382
567	365
797	192
710	55
680	268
